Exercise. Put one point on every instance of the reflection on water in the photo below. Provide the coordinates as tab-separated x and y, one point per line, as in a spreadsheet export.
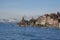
12	32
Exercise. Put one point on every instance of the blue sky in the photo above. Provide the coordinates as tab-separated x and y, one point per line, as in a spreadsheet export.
29	8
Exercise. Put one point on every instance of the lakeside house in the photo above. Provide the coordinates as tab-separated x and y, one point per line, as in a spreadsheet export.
48	20
59	21
41	20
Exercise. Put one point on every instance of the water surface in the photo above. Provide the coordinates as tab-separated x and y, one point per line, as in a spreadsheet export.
10	31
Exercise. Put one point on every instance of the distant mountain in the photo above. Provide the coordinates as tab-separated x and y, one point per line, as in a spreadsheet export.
8	20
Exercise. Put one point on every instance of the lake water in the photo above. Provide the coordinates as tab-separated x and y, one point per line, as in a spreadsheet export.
10	31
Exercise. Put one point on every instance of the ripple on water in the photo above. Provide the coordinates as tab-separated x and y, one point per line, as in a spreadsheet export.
12	32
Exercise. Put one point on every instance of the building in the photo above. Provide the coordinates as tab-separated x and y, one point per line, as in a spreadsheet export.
48	20
55	22
41	20
52	20
59	21
38	22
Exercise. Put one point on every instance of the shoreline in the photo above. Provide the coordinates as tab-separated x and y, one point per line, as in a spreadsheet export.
39	26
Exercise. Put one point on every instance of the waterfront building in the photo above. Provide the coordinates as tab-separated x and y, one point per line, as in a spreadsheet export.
59	25
48	20
59	21
38	20
41	20
55	22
